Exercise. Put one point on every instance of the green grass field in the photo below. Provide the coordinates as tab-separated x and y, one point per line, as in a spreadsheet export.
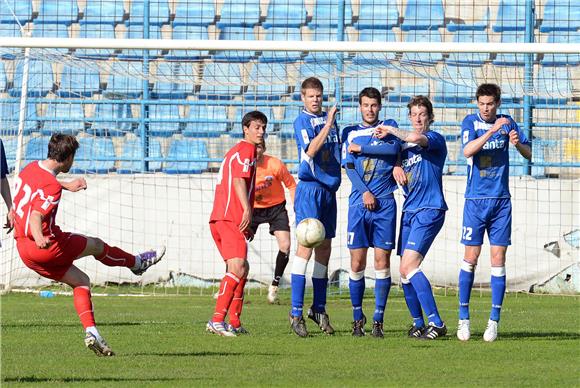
161	341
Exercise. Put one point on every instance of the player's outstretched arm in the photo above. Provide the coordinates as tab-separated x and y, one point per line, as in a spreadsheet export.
318	141
75	185
406	136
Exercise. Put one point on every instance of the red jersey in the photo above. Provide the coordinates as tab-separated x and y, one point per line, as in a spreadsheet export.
36	189
240	162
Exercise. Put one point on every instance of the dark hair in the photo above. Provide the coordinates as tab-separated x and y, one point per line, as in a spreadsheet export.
422	101
254	115
311	83
488	90
61	146
370	93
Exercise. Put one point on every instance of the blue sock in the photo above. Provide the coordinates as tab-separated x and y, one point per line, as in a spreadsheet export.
413	303
319	287
298	282
425	296
466	276
382	288
357	292
497	292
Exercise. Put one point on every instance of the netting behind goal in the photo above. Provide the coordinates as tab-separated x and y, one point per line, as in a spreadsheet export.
154	125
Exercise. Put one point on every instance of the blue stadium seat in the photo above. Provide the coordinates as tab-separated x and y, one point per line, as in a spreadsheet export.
67	118
36	149
282	34
236	13
11	30
267	82
236	33
133	148
88	31
186	149
474	25
325	72
561	15
408	89
324	34
349	116
10	116
40	79
135	31
200	13
103	12
206	121
326	14
189	33
429	36
423	15
220	81
10	144
285	13
562	59
458	85
3	78
375	59
121	82
378	15
162	119
58	11
469	59
511	59
287	125
242	110
112	119
553	85
78	82
173	80
511	16
22	9
158	12
360	79
42	30
96	155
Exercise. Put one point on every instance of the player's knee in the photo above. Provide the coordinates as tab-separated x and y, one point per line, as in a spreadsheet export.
284	246
95	246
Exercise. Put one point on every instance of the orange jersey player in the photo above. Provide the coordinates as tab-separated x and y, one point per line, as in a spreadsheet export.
230	223
270	207
50	252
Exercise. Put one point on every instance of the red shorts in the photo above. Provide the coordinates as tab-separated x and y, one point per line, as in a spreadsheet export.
53	262
229	240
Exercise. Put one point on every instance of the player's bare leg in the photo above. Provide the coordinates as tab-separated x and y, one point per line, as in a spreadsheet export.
80	283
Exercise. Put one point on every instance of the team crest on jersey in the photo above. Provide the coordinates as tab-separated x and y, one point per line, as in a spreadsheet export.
247	165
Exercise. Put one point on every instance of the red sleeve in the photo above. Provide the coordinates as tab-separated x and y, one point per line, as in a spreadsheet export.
243	161
46	198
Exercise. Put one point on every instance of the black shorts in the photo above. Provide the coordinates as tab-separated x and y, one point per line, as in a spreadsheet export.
276	216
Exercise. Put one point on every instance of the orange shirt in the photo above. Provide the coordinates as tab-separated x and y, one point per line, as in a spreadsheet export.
271	172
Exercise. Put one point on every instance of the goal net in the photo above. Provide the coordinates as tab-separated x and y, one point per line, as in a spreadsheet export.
155	118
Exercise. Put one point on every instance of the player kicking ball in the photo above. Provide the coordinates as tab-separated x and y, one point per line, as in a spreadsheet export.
50	252
486	136
230	222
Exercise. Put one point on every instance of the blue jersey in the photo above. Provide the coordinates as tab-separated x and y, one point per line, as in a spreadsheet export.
488	170
424	169
324	168
376	171
3	162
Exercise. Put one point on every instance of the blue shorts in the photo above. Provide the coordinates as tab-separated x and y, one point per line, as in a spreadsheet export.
491	214
419	229
314	201
375	228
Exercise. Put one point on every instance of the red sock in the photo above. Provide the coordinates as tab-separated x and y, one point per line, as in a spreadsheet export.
83	305
116	257
228	285
237	304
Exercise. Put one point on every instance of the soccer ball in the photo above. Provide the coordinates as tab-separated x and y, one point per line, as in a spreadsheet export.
310	233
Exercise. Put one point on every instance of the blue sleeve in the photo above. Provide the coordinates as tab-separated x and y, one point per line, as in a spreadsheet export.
467	131
356	180
523	138
436	141
303	132
388	148
3	162
391	122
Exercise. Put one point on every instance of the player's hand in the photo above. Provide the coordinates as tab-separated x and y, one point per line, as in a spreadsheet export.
9	221
44	242
514	137
354	148
249	233
369	200
383	130
246	220
499	123
399	175
331	114
75	185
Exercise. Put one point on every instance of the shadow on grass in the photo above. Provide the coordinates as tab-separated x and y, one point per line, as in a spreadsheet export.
518	335
72	324
34	379
203	354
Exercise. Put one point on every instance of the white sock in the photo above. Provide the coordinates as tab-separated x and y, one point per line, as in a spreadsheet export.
137	262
